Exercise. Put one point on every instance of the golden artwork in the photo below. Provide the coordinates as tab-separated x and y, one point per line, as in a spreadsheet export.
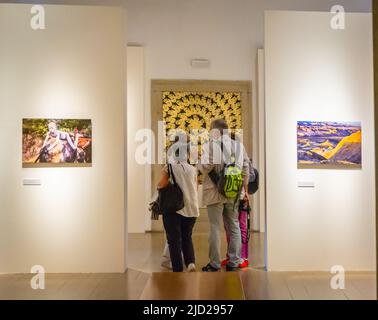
193	112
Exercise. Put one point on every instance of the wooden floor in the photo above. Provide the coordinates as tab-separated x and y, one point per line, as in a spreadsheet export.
127	286
253	284
145	250
133	285
194	286
146	279
145	253
261	285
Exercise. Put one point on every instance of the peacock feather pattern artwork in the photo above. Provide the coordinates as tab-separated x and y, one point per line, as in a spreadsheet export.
193	112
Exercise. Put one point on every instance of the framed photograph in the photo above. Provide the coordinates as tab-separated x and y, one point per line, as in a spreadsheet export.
329	144
56	142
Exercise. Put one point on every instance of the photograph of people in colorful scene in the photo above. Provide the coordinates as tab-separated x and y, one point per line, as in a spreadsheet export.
58	142
329	144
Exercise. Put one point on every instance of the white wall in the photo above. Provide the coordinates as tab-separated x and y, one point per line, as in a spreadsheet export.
135	116
316	73
228	32
75	68
261	224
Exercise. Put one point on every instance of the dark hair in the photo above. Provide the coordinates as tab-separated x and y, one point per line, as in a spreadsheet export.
179	148
219	124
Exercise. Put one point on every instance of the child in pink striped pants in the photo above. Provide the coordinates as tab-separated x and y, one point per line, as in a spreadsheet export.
244	222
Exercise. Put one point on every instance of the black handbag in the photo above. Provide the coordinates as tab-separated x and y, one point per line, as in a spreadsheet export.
253	184
171	198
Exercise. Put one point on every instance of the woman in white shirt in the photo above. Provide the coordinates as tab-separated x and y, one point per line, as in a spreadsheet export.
179	225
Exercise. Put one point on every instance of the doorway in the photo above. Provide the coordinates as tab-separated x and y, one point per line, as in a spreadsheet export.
199	94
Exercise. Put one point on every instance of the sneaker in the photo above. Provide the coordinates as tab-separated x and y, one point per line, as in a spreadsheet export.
229	268
244	264
191	267
166	264
224	262
209	268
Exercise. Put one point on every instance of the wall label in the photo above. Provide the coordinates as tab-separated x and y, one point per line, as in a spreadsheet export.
306	184
32	182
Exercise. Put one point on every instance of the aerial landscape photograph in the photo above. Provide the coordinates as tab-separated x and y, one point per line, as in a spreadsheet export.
329	144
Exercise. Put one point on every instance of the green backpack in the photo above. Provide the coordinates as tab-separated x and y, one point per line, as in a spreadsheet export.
233	181
229	181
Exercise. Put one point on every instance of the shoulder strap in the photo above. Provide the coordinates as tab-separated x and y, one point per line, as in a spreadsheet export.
170	173
228	156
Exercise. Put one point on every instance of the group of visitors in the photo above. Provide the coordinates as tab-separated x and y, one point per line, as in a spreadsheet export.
225	176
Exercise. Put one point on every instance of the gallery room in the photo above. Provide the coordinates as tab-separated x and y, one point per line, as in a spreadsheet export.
95	95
